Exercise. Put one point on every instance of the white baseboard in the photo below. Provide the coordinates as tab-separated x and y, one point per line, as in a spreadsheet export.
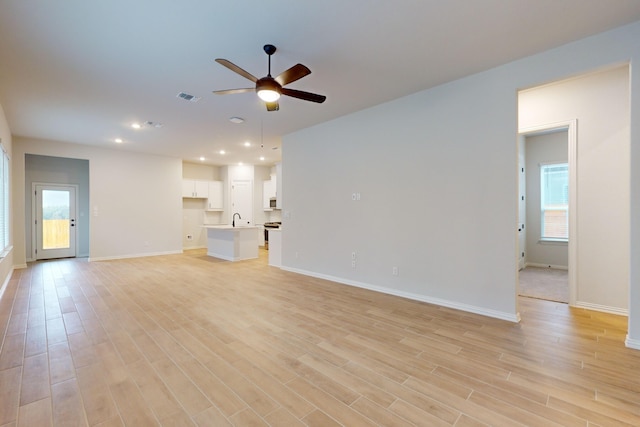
141	255
416	297
632	343
190	248
603	308
552	266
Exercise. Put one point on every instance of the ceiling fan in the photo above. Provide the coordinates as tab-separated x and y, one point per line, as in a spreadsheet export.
270	88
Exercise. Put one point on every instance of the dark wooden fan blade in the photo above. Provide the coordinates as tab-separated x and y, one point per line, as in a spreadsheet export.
273	106
294	73
233	67
230	91
307	96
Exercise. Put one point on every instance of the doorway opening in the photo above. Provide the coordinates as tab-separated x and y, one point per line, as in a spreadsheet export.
547	212
56	175
599	213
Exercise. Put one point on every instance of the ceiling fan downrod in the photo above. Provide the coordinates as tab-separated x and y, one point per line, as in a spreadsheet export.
269	49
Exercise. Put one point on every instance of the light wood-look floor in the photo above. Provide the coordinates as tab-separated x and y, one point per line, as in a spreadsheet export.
188	340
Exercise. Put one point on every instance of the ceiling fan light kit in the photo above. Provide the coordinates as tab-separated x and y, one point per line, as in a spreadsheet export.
268	88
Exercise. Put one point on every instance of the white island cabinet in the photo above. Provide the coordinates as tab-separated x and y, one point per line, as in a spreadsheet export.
232	243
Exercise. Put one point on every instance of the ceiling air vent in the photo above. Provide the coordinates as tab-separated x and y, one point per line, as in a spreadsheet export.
153	124
188	97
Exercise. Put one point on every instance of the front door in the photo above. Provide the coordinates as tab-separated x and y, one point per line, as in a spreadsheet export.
55	223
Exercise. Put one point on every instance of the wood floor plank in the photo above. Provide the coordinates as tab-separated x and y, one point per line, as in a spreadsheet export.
61	367
36	413
35	379
98	404
283	418
131	404
67	404
12	351
158	397
211	417
191	398
36	340
9	394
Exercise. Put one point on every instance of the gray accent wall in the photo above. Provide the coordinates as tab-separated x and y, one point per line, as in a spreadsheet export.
58	170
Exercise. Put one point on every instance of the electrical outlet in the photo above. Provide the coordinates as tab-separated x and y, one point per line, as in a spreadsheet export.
357	196
189	237
353	256
394	271
353	264
353	196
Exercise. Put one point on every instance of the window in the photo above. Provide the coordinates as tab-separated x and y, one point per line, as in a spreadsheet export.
554	198
4	202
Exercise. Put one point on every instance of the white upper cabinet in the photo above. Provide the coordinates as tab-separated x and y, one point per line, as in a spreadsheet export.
215	201
195	189
268	191
279	186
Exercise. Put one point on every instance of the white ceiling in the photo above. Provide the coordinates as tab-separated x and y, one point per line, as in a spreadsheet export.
82	71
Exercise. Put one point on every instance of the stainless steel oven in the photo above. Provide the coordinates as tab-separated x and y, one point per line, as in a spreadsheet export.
267	226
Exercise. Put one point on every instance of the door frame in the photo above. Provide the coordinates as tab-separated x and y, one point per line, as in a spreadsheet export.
34	228
571	126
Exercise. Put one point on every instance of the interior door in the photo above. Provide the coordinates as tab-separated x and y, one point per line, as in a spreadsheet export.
55	222
242	200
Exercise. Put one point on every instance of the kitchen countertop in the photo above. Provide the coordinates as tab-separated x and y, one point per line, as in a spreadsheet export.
229	227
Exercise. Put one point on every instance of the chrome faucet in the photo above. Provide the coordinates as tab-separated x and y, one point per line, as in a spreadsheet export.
233	220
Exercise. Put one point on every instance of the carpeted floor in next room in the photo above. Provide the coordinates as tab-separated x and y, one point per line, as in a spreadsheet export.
544	283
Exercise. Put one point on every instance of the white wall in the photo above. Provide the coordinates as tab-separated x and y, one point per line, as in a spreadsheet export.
600	103
546	148
437	175
135	199
433	171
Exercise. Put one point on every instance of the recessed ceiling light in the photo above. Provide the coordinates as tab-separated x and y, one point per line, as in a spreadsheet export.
262	158
240	163
202	159
118	140
247	144
236	120
222	151
136	125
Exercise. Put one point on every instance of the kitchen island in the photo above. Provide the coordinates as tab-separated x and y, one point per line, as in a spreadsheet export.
232	243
